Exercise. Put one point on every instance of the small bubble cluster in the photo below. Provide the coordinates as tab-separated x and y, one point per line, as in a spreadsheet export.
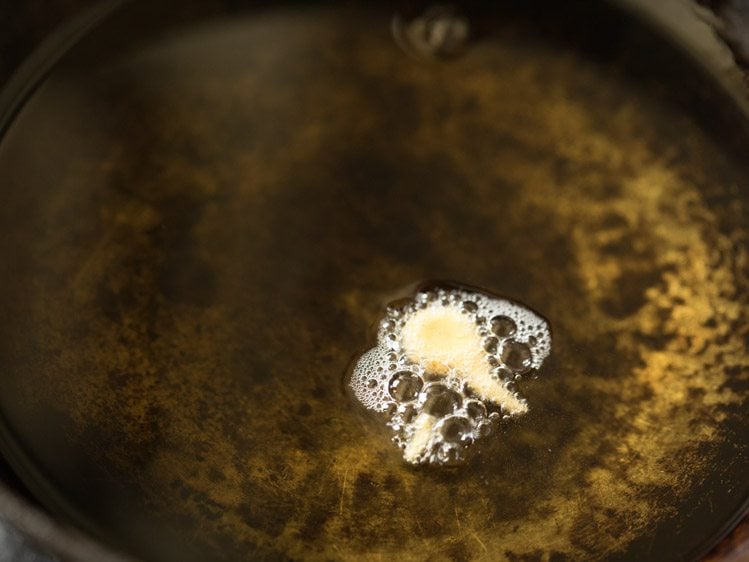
440	31
438	408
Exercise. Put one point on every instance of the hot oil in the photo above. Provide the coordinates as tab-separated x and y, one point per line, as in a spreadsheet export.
204	217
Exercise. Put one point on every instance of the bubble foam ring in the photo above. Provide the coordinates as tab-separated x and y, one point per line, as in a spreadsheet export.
443	368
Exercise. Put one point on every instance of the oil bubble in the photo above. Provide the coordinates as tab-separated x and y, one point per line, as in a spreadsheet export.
475	409
448	455
484	428
490	345
503	326
455	429
470	306
408	414
503	374
516	355
440	400
390	410
404	386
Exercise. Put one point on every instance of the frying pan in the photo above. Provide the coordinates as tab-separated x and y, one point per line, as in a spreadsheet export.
199	229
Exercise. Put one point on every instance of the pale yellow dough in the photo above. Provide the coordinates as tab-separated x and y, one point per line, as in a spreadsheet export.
441	338
417	444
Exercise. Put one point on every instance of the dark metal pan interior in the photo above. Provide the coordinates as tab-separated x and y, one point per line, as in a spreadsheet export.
204	209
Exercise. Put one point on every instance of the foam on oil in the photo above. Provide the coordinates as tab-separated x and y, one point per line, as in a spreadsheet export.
444	367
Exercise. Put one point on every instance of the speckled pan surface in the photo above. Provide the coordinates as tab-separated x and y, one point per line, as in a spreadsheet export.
205	210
